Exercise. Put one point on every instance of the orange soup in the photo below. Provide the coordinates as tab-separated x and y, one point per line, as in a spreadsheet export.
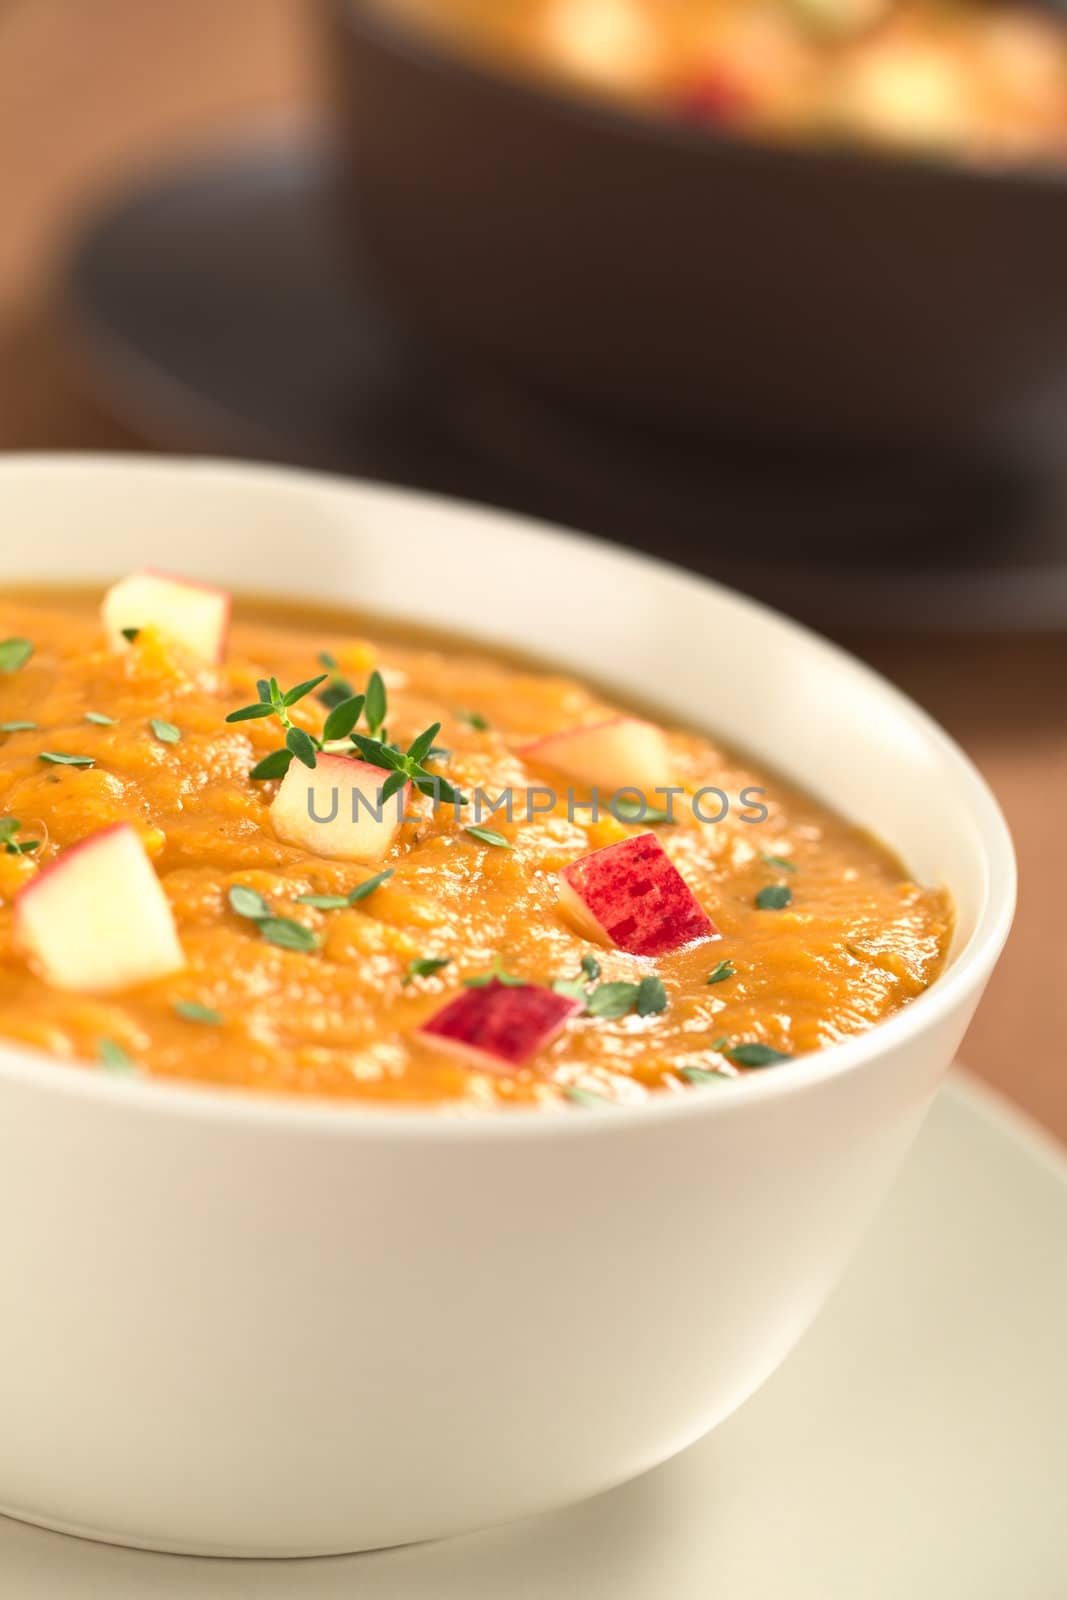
960	77
313	856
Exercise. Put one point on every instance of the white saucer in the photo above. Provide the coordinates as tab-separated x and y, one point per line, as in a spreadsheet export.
914	1447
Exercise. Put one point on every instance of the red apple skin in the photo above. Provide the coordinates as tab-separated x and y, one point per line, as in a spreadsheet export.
499	1027
636	897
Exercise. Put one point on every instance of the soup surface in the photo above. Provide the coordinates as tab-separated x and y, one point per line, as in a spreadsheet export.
817	932
978	79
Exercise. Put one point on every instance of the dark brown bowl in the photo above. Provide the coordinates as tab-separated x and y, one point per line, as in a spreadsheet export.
693	281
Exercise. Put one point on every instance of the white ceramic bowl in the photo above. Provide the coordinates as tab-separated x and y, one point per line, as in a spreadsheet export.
249	1327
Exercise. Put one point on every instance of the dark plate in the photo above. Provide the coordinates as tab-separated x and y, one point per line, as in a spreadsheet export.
217	309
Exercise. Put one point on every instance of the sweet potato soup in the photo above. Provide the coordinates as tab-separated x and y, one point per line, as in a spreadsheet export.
302	854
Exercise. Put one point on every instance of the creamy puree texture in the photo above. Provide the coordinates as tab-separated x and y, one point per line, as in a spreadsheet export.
856	941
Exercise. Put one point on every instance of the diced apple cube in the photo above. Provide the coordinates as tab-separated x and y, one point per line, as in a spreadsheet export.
499	1027
98	919
621	753
194	615
337	810
631	895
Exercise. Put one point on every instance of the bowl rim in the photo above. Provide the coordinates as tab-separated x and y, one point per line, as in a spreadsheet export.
851	160
968	970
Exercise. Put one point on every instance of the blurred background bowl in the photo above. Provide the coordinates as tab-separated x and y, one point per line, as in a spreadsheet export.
695	282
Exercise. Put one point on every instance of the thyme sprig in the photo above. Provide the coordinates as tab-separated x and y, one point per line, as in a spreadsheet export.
424	967
114	1056
755	1055
496	973
274	701
338	688
341	902
407	766
705	1075
282	931
339	736
583	1097
611	1000
775	897
195	1011
14	653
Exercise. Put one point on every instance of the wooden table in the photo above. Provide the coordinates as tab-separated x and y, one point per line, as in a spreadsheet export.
93	93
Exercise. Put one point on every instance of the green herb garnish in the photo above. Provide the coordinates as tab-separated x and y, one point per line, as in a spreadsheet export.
377	705
724	970
637	811
16	727
473	719
302	746
282	931
400	766
274	701
584	1097
9	826
100	719
58	759
755	1055
424	967
368	886
262	708
573	988
299	691
338	689
165	732
613	1000
247	902
782	862
705	1075
287	934
408	767
193	1011
578	988
340	902
490	836
276	765
775	897
616	999
130	634
343	717
651	997
497	973
14	653
114	1057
